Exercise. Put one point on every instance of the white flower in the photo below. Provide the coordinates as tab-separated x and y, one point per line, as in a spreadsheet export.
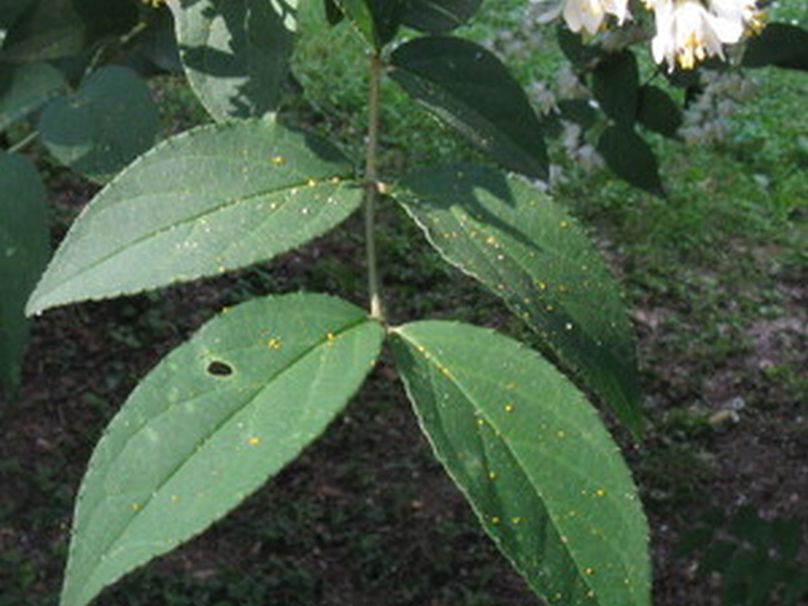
689	31
586	14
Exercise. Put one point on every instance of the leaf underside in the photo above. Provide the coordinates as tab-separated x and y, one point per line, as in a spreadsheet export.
528	251
216	198
25	88
209	425
533	459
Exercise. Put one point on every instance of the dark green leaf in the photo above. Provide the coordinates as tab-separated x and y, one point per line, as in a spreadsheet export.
438	16
533	459
25	88
24	247
466	86
616	86
631	159
658	112
93	131
333	13
579	111
236	53
578	53
216	198
526	249
209	425
50	29
780	44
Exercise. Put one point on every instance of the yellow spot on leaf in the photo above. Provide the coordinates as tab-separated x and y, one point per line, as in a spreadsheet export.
495	520
561	434
278	160
254	441
135	506
600	492
509	408
274	343
492	475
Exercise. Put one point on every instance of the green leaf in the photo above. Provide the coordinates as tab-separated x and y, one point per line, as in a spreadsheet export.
467	87
779	44
658	112
579	111
25	88
236	53
376	21
438	16
360	18
209	425
216	198
93	130
527	250
533	459
631	159
578	53
616	86
50	29
24	249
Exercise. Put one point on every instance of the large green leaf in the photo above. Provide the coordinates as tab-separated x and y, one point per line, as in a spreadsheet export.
24	244
216	198
236	52
534	460
466	86
25	88
438	16
92	131
527	250
209	425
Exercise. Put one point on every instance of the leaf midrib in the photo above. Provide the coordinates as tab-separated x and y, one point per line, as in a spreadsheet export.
226	204
433	359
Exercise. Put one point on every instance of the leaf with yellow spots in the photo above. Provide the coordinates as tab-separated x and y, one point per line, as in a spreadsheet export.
522	245
199	204
545	478
209	425
235	53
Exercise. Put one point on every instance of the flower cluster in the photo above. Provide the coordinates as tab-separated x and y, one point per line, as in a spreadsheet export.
687	31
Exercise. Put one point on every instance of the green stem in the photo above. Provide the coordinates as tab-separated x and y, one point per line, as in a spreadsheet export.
24	142
372	188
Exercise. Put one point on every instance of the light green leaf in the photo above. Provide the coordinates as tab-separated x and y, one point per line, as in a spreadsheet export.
25	88
24	248
216	198
209	425
360	18
467	87
236	52
533	459
93	131
527	250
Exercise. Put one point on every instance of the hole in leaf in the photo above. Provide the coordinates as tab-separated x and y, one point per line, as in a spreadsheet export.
220	369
